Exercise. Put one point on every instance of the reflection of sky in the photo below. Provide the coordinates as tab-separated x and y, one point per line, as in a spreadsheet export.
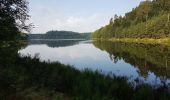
83	56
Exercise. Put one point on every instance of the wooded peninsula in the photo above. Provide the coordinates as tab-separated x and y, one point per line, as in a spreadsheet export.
151	19
60	35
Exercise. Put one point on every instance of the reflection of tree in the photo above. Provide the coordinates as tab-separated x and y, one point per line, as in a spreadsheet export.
54	43
154	58
114	58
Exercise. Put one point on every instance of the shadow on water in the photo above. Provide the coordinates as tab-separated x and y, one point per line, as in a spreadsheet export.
147	58
55	43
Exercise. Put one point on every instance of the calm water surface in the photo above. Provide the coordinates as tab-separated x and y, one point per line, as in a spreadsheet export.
137	62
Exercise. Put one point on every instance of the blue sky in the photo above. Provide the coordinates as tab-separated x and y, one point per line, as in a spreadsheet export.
76	15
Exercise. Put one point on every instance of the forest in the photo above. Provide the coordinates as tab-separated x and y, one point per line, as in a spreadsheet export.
151	19
60	35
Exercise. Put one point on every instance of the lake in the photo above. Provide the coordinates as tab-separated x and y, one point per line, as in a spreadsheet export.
143	63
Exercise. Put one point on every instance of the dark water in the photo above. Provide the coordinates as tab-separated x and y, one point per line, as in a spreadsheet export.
138	62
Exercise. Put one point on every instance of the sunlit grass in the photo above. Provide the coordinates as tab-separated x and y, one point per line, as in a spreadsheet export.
165	41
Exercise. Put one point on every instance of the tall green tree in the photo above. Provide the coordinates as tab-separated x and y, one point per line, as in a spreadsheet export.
151	19
13	14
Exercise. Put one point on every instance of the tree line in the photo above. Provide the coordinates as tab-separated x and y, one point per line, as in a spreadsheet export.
151	19
60	35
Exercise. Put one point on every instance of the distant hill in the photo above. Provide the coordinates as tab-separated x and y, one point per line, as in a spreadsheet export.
86	35
60	35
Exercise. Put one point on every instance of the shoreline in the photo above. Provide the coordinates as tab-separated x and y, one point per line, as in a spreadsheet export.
165	41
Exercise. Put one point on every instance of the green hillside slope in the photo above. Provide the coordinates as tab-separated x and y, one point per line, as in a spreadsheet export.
151	19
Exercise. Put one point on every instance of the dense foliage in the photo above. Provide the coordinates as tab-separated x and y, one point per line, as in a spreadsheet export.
151	19
13	14
60	35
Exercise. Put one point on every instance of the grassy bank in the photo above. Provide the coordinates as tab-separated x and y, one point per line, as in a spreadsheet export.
165	41
32	79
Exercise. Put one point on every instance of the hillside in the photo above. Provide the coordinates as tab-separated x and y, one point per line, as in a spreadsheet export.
151	19
60	35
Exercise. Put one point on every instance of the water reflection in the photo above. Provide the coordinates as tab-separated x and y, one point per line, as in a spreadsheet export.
55	43
81	55
148	58
138	62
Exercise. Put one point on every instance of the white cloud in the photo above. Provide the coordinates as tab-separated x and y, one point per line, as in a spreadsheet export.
53	21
